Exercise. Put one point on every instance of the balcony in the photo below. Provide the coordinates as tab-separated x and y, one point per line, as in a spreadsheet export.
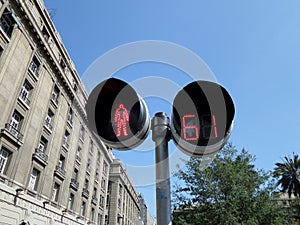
40	156
60	172
25	100
85	193
74	184
70	122
88	170
54	100
94	200
78	159
48	125
65	146
13	134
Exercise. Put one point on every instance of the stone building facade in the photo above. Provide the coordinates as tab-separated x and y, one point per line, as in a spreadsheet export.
122	200
53	170
143	211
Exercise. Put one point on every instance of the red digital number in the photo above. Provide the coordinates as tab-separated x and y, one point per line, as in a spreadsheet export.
190	130
121	119
215	126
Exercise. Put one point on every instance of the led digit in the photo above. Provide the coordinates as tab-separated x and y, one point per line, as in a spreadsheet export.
209	126
190	130
215	126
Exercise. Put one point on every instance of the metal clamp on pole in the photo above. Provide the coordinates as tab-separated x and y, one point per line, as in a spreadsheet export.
161	136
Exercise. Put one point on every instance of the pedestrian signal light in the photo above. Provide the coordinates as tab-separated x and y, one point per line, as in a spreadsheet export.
202	118
118	114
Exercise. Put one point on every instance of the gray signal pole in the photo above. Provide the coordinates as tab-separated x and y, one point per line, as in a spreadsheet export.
161	136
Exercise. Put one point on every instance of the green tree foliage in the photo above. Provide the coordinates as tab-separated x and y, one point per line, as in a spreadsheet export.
229	191
288	173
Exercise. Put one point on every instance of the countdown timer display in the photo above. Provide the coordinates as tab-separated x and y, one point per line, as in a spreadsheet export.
192	129
202	118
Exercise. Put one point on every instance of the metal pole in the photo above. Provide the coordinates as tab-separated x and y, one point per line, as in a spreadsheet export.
161	137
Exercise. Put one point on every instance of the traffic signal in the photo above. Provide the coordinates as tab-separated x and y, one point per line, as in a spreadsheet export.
202	118
118	114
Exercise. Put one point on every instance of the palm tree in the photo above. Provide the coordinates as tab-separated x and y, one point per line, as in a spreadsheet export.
289	174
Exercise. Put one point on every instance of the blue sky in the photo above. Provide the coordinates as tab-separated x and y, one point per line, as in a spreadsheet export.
252	47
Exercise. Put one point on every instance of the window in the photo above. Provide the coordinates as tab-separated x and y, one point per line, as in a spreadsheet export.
70	116
42	145
55	192
91	147
120	190
7	22
81	134
1	50
25	92
15	124
55	94
34	65
99	220
33	180
71	201
61	162
75	174
4	155
15	120
98	156
78	154
101	201
95	192
103	183
119	203
93	214
97	176
88	167
48	120
105	167
86	184
107	200
83	209
66	139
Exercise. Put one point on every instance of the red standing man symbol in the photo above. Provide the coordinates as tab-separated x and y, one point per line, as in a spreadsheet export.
121	119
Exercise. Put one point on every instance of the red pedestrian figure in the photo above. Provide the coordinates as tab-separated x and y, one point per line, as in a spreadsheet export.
121	119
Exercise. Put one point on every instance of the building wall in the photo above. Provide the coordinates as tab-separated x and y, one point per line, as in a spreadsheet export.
34	65
123	200
143	211
150	219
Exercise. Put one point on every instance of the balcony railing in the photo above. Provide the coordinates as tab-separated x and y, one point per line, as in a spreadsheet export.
88	169
66	145
54	99
85	192
41	155
70	120
94	200
74	183
14	131
48	124
78	159
24	99
60	172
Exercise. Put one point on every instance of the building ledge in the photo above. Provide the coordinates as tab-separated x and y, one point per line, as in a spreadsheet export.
13	135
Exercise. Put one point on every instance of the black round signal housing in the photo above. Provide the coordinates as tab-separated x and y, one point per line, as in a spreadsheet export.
202	118
118	114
